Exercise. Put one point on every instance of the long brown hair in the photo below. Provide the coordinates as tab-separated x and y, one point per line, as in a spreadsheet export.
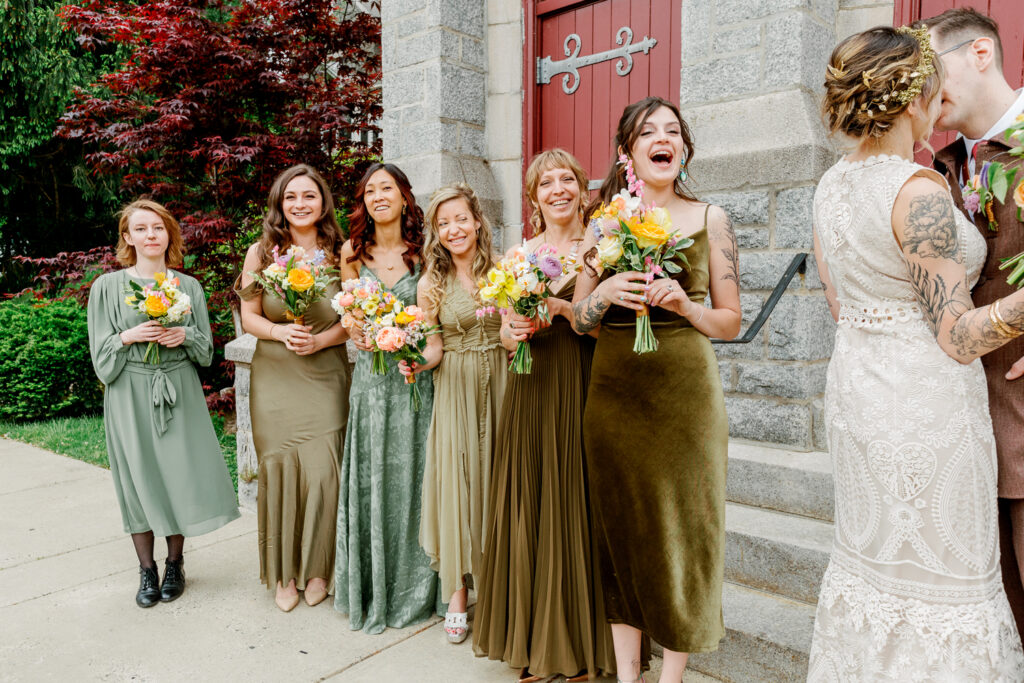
439	267
361	227
545	161
276	232
126	254
631	124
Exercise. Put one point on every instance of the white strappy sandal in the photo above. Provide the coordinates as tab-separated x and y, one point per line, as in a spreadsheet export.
456	626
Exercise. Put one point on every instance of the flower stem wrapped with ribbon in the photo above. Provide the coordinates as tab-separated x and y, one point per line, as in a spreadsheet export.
634	237
520	282
164	303
298	280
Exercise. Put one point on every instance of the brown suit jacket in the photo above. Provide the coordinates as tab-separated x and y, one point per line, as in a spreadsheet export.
1006	398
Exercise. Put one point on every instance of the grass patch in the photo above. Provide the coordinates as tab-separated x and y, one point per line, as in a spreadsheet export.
85	439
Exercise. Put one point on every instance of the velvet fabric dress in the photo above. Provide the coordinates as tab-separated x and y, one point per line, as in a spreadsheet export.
539	600
169	472
469	385
656	441
383	577
298	406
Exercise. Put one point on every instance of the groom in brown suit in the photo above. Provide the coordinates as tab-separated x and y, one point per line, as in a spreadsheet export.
978	103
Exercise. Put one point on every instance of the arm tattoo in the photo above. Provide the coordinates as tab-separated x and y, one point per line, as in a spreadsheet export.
588	313
974	334
931	228
937	298
730	251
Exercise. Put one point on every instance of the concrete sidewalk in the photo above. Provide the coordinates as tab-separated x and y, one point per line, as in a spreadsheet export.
68	577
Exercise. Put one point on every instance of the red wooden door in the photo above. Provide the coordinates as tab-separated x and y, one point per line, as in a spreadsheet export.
578	108
1009	14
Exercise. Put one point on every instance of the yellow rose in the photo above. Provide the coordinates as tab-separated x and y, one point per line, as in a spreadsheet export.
1018	194
648	233
159	277
300	280
609	250
155	306
660	216
403	318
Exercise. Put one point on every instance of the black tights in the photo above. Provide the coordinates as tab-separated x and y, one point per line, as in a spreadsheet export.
144	548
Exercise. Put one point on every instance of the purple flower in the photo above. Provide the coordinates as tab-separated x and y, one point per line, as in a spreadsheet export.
319	257
972	202
550	265
595	227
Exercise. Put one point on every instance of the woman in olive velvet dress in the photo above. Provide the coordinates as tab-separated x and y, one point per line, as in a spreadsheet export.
383	576
655	430
539	602
169	473
298	399
469	385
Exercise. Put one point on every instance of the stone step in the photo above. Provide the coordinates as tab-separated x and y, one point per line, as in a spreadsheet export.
768	639
779	479
776	552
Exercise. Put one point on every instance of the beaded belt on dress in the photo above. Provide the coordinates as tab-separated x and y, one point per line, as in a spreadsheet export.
877	315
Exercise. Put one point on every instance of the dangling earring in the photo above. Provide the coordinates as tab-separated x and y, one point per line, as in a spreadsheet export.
683	175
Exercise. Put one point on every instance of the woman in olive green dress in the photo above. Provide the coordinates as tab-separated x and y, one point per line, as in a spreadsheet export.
539	602
383	577
298	397
469	384
169	473
655	429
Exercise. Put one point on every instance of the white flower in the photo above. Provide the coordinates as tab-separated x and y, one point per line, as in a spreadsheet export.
632	203
529	280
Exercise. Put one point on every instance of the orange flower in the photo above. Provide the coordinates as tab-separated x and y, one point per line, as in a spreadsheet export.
1018	194
300	280
156	305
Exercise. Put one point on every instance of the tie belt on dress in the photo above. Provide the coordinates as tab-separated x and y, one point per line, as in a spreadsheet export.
162	389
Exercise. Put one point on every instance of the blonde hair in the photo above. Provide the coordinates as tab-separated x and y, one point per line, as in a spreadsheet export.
439	267
126	254
867	77
546	161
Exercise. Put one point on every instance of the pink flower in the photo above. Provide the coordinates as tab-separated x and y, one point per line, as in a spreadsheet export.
972	202
390	339
550	265
545	249
346	300
415	311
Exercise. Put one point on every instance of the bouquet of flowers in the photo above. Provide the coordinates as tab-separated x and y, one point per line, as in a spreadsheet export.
164	303
363	303
520	282
634	237
405	338
299	281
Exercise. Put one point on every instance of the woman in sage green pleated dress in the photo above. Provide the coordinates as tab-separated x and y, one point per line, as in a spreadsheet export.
169	474
655	430
383	577
539	602
298	397
469	384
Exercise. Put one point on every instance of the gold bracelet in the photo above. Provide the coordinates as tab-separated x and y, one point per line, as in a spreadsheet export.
1002	328
1016	330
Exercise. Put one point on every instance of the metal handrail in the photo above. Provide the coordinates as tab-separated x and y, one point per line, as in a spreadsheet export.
797	265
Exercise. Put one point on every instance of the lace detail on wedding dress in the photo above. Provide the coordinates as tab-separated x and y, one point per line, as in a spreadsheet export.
913	589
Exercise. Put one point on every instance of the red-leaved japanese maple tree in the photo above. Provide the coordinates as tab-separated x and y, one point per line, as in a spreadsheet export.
217	97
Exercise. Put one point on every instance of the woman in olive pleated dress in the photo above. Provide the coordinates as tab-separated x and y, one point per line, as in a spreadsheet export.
469	384
298	397
539	602
655	430
169	473
384	578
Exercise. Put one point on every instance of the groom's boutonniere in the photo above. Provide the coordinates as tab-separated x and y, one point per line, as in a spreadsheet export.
1016	263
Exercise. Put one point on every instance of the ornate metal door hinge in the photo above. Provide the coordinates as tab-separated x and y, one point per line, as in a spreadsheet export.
546	67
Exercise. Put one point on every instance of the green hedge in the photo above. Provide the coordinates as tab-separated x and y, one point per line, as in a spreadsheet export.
44	361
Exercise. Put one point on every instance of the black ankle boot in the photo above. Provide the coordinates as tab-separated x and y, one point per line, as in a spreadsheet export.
149	593
174	580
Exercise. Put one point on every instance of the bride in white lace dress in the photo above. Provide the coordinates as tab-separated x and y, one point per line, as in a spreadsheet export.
913	589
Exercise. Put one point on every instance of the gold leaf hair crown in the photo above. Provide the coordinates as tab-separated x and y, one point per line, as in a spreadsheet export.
903	91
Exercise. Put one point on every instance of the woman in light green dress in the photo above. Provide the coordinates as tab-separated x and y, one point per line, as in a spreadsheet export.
382	577
169	474
298	397
469	385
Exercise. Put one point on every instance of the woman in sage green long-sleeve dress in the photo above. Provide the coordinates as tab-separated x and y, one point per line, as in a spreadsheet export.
382	576
169	474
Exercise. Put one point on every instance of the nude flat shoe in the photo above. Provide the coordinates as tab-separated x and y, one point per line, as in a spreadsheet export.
314	598
286	603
